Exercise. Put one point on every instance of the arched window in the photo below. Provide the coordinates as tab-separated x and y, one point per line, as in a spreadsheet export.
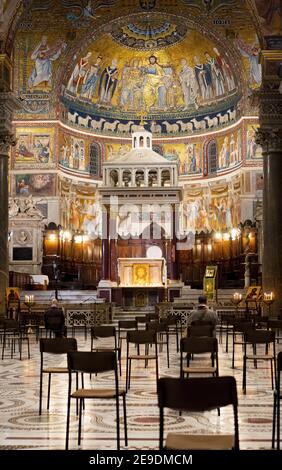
95	160
210	152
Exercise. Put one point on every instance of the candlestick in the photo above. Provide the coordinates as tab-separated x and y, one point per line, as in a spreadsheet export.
29	302
236	299
268	299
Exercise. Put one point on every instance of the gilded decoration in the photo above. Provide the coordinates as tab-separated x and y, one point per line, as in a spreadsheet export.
191	76
176	67
34	148
38	57
141	274
149	34
188	154
95	65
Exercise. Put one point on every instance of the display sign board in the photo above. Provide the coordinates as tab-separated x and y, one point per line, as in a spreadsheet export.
209	283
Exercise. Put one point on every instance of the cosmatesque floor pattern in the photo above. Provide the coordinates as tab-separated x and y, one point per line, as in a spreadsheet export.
21	427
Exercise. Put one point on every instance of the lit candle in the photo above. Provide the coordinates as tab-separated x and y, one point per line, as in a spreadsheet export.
237	296
268	296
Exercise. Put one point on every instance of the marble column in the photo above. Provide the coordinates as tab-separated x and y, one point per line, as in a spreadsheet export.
269	136
7	105
159	177
146	177
120	178
271	141
113	268
4	264
106	245
172	258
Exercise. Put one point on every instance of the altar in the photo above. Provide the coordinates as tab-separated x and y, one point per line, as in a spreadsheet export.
142	282
142	272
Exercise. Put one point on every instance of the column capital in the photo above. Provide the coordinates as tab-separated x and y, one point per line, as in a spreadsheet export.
269	139
6	140
9	103
269	96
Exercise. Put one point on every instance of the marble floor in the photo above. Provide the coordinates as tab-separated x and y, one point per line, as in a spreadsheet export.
22	428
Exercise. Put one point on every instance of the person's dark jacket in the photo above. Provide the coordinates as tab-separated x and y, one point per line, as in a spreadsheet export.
55	320
203	313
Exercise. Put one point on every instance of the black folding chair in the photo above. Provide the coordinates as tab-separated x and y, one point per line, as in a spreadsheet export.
53	346
104	332
255	338
199	394
94	363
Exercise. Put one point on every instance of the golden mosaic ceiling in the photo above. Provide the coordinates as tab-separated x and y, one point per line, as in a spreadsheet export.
111	59
157	66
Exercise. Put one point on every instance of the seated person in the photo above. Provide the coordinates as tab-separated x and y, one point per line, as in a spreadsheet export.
203	313
54	319
13	305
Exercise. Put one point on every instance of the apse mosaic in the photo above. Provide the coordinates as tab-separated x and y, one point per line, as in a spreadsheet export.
148	34
189	154
229	149
158	64
80	153
250	52
116	150
72	151
111	83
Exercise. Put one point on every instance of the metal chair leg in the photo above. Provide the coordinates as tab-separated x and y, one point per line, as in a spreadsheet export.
79	422
49	389
125	420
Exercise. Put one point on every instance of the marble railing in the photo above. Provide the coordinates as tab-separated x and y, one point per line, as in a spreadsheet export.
89	314
181	312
